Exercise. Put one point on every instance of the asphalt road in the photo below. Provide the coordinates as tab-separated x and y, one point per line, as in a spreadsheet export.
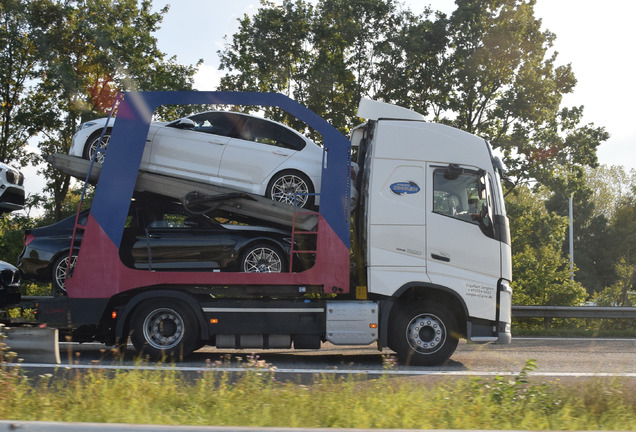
554	358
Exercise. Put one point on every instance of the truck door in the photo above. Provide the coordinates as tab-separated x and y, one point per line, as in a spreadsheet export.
461	253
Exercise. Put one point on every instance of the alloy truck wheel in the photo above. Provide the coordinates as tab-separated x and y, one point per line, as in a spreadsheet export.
291	188
261	258
59	273
93	143
164	329
424	334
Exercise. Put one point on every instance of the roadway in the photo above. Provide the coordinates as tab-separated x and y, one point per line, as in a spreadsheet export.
555	357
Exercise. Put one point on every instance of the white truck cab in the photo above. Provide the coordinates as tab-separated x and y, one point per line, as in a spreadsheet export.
434	231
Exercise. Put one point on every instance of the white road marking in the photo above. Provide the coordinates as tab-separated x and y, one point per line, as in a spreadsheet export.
324	371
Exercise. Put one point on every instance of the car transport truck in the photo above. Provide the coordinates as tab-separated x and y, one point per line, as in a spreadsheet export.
429	263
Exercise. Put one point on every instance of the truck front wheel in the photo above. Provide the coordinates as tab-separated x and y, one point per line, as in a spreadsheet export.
163	329
424	334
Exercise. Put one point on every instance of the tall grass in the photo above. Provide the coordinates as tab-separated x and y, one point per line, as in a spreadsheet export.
257	398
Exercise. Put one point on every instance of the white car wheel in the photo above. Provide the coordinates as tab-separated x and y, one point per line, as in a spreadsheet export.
93	143
291	188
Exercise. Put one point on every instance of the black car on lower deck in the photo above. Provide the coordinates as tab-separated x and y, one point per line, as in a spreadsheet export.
9	285
161	235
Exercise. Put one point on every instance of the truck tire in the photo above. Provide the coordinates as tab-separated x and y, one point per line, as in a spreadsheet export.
424	334
164	329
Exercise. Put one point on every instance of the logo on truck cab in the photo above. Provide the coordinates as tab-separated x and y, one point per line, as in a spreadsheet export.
403	188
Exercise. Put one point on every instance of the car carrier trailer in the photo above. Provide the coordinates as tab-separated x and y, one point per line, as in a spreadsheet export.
433	249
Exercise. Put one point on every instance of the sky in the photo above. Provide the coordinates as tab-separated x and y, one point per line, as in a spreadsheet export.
597	38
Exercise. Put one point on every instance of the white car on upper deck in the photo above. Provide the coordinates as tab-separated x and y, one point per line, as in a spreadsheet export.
228	149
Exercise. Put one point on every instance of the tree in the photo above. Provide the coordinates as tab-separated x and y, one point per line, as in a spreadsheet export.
270	53
542	278
623	230
609	185
507	88
622	292
323	57
413	69
88	50
17	62
542	275
488	69
599	195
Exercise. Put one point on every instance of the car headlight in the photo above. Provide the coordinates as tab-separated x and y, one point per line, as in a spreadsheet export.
88	124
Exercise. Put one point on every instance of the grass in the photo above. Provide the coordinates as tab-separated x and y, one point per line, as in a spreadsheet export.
256	398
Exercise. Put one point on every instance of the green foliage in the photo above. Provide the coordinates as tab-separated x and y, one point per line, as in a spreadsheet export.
256	398
488	69
17	62
541	274
604	225
12	236
621	293
542	277
77	54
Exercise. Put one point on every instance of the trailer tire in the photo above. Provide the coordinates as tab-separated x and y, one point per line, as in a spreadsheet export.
164	329
424	334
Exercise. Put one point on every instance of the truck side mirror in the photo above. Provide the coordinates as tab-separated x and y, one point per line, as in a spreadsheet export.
481	184
452	172
485	222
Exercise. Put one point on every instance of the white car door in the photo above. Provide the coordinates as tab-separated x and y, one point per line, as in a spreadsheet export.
249	161
193	148
460	254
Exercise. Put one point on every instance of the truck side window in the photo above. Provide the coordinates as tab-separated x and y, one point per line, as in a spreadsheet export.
458	194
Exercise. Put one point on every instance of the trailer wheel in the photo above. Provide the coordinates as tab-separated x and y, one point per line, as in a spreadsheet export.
263	258
92	143
164	328
59	273
424	334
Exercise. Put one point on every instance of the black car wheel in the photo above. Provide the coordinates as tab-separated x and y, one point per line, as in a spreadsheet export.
164	328
291	187
424	334
60	271
263	258
93	143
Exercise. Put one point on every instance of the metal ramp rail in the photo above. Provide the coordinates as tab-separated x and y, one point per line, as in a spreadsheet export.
192	193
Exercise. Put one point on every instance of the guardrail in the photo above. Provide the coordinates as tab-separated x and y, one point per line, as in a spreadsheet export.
597	312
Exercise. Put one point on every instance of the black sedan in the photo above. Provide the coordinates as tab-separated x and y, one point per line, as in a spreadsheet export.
9	285
161	235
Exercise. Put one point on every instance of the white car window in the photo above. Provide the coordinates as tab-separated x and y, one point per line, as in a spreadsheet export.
218	123
266	132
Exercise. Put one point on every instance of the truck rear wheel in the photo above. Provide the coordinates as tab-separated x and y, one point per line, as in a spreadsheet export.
424	334
164	328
